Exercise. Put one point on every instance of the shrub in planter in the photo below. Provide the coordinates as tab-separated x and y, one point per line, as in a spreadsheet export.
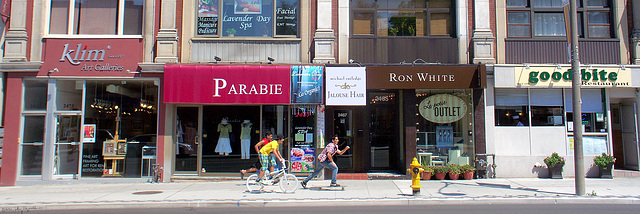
555	164
467	171
454	171
440	172
605	163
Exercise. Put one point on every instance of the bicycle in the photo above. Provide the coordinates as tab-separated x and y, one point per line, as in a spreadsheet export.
288	182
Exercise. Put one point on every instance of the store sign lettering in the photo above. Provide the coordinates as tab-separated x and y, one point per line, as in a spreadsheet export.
82	54
246	20
422	77
594	75
443	108
244	89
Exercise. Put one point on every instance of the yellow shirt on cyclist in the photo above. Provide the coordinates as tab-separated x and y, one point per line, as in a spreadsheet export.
267	149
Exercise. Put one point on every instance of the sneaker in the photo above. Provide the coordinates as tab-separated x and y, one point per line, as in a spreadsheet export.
303	184
334	185
242	174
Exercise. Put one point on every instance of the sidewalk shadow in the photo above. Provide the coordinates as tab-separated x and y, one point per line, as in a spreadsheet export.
508	186
449	194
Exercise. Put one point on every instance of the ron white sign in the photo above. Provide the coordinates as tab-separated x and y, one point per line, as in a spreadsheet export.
91	57
227	84
562	77
443	108
346	86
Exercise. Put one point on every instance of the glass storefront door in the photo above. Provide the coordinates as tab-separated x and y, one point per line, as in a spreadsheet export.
343	127
32	145
383	127
187	139
67	144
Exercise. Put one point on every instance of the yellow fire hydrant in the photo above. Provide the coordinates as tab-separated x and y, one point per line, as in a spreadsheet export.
415	170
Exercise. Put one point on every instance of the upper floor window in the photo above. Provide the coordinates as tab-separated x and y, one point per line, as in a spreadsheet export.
402	18
545	18
247	18
96	17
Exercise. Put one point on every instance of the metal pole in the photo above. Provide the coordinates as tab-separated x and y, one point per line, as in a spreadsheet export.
577	108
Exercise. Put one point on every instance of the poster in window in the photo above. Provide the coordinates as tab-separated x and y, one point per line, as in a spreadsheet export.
207	17
306	84
248	6
302	159
89	135
287	17
444	137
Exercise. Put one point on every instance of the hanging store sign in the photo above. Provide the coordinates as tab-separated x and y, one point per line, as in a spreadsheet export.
91	57
346	86
306	84
555	76
227	84
420	77
443	108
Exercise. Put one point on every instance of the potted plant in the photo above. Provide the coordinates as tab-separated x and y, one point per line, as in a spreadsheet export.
427	172
605	163
231	32
555	164
454	171
440	172
467	171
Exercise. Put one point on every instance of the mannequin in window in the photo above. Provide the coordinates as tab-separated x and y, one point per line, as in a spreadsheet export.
224	144
516	120
245	138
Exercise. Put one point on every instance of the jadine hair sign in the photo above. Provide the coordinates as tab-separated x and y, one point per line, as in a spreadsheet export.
227	84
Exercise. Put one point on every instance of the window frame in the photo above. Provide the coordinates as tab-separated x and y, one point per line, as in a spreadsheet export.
426	10
583	13
221	34
70	22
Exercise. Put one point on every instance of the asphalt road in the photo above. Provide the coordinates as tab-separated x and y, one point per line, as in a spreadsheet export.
324	209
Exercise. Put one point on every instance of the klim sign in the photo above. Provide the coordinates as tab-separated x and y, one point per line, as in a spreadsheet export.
91	57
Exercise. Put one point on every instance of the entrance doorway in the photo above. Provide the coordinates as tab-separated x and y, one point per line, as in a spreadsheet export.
67	145
625	135
383	129
188	140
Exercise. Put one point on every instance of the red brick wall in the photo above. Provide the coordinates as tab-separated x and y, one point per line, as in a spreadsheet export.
179	18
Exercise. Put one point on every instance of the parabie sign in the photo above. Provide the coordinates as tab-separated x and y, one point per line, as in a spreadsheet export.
443	108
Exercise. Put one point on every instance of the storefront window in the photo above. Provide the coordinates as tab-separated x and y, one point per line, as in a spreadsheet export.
247	18
593	117
98	17
126	110
511	107
69	94
546	107
445	126
35	95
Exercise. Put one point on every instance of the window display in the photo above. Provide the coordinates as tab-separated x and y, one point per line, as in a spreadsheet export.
123	114
445	128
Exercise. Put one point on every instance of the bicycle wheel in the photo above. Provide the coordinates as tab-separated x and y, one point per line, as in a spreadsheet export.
289	183
253	184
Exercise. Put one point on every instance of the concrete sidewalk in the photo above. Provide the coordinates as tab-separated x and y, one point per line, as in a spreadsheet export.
374	192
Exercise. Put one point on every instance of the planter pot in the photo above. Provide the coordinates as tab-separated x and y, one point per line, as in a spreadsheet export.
606	173
426	176
468	175
454	176
555	172
440	175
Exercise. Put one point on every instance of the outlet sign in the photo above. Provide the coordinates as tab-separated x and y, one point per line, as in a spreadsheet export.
443	108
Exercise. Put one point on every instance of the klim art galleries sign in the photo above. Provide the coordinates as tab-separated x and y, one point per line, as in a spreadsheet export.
346	86
91	57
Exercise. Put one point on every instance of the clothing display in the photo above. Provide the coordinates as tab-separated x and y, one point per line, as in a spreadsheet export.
245	139
224	143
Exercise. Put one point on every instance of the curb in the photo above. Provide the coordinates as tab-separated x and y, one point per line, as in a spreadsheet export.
312	202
